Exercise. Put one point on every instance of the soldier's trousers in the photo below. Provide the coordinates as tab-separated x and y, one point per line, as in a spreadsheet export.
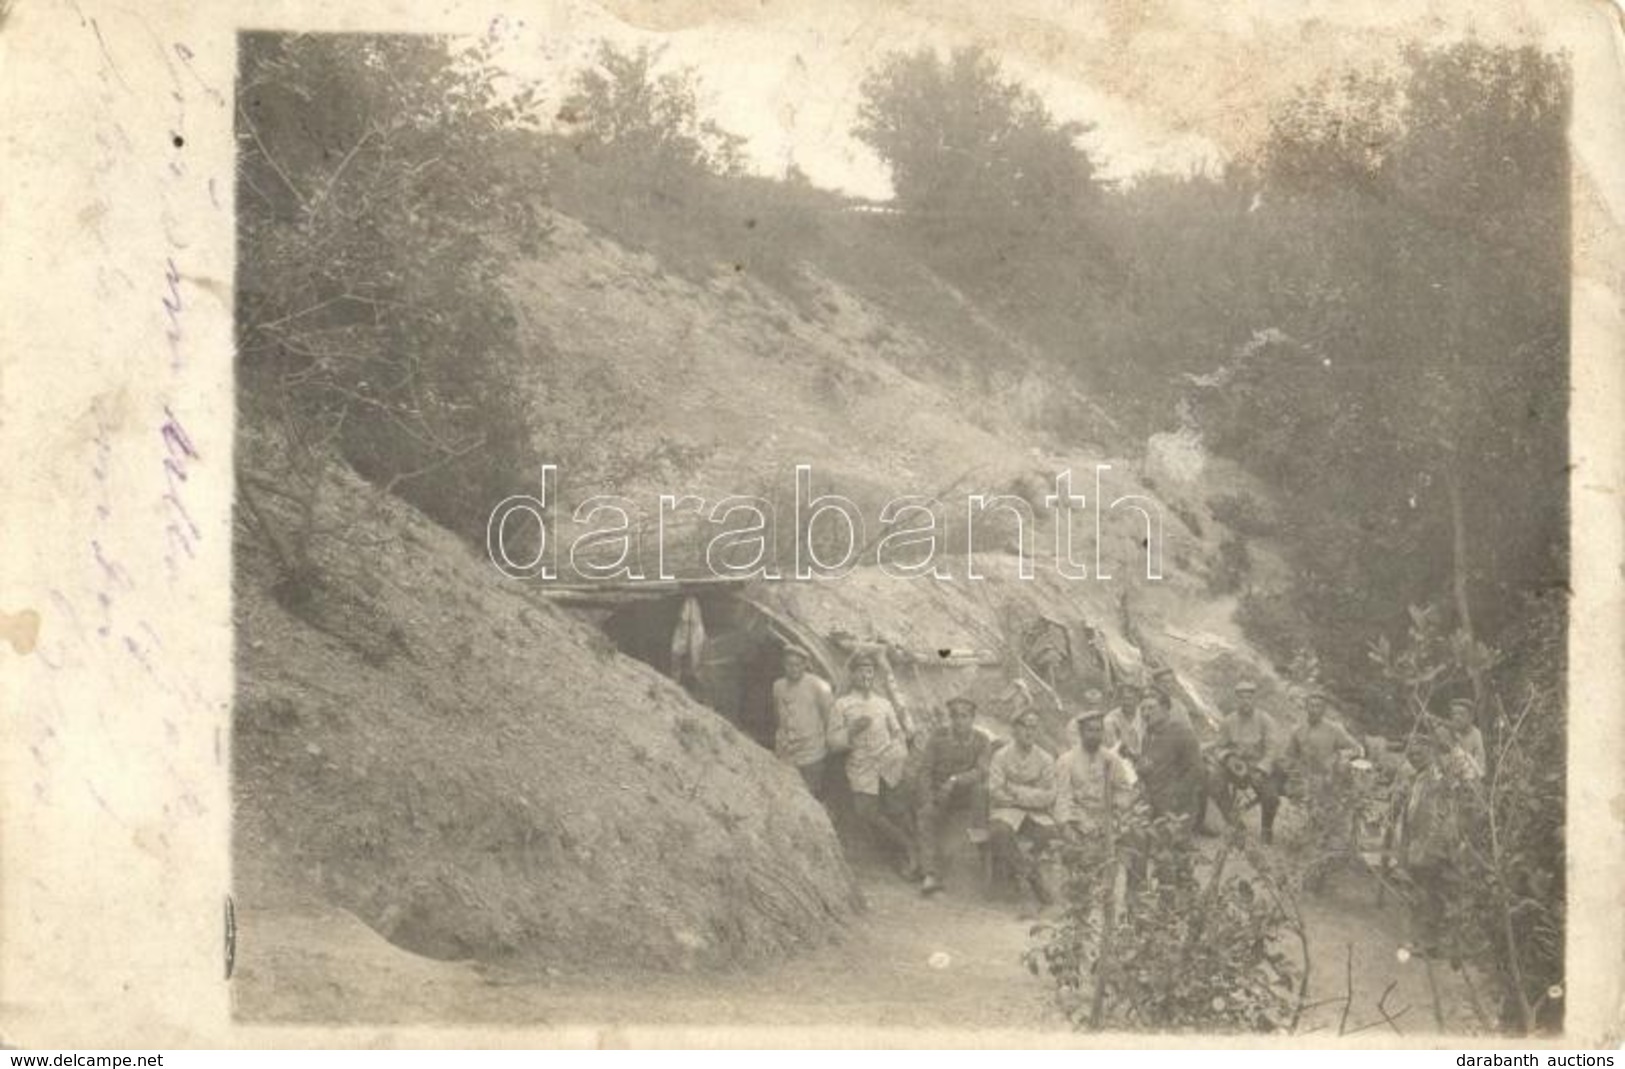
928	816
883	814
1011	863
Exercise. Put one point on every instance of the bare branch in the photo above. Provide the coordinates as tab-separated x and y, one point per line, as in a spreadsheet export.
1348	991
270	159
327	190
405	476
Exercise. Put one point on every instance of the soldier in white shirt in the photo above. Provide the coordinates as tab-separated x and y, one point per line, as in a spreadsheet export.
1090	780
866	726
802	706
1021	794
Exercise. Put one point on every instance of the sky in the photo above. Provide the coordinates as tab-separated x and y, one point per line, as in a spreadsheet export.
1168	85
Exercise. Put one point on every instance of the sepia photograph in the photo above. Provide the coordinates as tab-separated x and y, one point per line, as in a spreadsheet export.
814	524
928	545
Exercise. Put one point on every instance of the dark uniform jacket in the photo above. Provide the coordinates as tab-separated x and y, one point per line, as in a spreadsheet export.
947	756
1171	769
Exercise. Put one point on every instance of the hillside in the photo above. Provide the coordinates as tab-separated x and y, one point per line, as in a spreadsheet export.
477	775
650	371
887	382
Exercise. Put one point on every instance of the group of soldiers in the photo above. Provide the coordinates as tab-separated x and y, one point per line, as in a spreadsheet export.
1017	797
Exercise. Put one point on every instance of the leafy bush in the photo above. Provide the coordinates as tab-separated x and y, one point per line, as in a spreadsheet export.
1272	621
378	208
1149	939
1505	910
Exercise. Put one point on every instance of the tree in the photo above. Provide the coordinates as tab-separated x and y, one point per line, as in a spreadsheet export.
1506	909
376	214
1414	239
1153	936
994	190
621	113
969	148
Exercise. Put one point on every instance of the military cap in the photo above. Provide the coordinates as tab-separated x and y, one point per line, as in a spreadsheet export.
960	699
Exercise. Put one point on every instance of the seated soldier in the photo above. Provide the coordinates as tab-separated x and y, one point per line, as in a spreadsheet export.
1250	734
953	773
1021	792
1090	782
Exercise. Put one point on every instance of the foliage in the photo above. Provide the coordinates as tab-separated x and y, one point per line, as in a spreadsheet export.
993	190
622	112
1506	914
1431	665
634	155
377	211
1408	245
969	148
1273	622
1188	947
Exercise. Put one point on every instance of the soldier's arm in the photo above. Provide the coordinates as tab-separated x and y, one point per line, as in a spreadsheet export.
826	703
984	762
905	722
1040	795
999	791
1271	738
930	759
839	735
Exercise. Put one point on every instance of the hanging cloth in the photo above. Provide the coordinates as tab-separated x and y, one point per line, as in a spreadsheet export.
688	640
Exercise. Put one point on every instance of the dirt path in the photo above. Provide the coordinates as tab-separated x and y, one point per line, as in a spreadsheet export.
318	964
324	965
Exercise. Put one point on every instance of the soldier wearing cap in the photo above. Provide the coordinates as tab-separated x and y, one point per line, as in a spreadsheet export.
1021	791
1431	842
1469	740
1315	749
1171	768
1165	681
1123	730
867	728
1253	736
802	705
1090	780
1316	743
953	773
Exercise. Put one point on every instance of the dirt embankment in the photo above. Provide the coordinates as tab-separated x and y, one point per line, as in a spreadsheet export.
476	775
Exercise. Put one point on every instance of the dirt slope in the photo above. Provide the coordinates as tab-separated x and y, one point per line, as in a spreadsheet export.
475	775
654	382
